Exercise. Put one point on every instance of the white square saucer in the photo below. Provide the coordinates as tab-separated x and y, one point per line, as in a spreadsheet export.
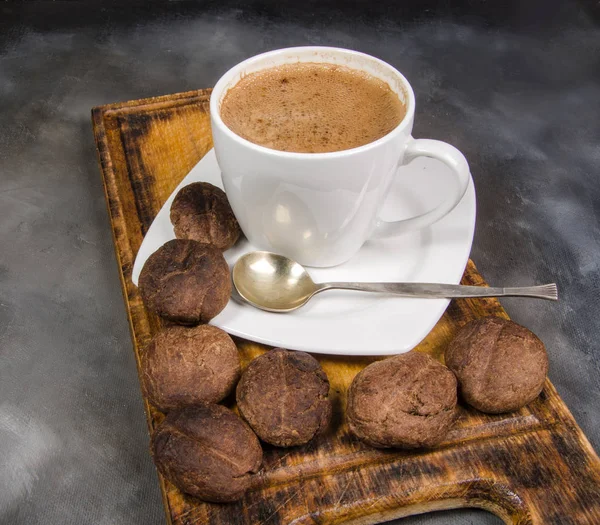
348	322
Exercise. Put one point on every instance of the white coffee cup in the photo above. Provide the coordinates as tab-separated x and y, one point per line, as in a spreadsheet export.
319	208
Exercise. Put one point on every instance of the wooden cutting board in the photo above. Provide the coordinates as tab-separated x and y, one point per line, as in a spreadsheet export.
531	466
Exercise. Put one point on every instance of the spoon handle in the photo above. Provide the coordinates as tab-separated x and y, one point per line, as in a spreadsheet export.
447	291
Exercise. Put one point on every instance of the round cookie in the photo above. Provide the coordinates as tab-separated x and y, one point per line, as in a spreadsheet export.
188	366
201	211
207	451
186	282
406	401
500	365
283	396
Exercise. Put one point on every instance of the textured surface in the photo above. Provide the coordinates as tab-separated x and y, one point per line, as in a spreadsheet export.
514	86
187	366
283	395
500	365
490	462
208	451
201	211
186	282
406	401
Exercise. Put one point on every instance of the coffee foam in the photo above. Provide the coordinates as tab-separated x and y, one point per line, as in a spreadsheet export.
311	108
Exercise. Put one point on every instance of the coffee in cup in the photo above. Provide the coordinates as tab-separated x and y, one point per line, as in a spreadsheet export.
311	107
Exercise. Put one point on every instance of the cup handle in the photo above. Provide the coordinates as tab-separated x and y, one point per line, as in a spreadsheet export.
450	156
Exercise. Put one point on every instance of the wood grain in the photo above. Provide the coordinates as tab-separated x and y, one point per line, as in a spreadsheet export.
532	466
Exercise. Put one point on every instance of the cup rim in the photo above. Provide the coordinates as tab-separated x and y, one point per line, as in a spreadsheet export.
225	79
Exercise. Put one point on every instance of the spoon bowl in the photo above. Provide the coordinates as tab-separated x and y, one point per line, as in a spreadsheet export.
272	282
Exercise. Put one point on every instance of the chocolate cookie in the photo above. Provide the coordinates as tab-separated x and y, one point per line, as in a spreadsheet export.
207	451
500	365
406	401
186	282
201	211
283	396
189	366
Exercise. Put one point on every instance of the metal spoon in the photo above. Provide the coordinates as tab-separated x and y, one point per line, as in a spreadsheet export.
277	284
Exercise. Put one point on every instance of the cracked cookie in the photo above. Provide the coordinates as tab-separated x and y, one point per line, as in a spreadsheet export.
188	366
406	401
283	395
201	211
186	282
207	451
501	366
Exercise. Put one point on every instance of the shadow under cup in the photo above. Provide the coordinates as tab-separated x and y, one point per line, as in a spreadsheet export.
317	208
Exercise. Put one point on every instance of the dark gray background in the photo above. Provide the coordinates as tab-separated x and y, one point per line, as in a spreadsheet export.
515	87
